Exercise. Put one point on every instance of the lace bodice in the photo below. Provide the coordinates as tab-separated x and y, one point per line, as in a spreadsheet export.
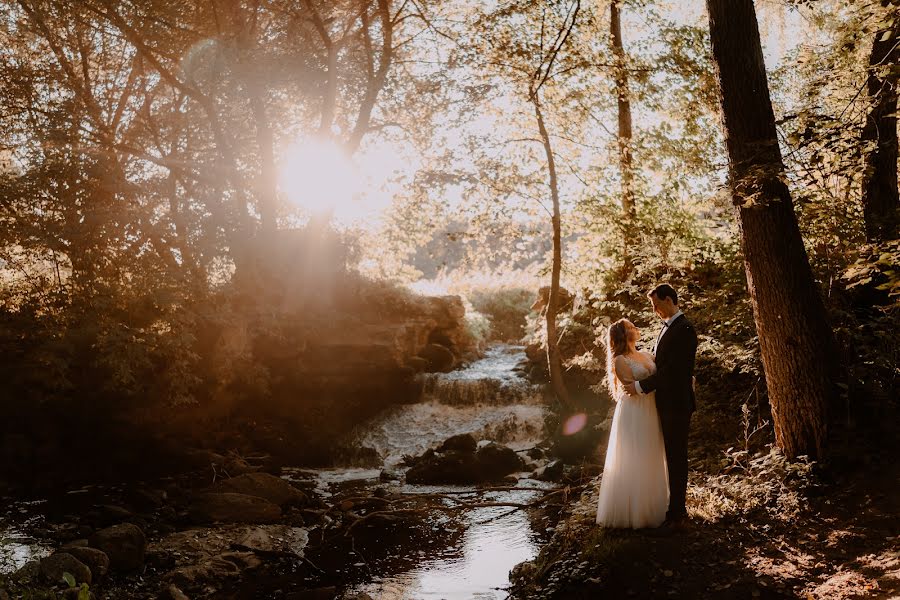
639	370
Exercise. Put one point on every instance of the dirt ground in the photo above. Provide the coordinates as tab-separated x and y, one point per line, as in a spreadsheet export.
767	529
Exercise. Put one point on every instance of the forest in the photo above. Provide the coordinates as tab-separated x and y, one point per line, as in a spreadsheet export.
315	298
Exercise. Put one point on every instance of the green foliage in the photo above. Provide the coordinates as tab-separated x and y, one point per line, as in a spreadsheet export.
877	266
506	308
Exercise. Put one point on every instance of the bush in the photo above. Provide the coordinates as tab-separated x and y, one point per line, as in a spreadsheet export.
506	308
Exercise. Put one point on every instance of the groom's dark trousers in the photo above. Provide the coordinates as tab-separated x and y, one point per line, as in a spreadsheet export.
673	384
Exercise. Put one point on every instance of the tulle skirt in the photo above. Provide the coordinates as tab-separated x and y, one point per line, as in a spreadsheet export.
634	489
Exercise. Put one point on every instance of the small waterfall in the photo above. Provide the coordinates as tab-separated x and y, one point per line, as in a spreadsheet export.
488	399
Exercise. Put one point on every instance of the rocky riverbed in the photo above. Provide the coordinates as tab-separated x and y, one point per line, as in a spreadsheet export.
442	496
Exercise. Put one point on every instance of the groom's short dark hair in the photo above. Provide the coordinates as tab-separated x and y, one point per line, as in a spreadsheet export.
663	291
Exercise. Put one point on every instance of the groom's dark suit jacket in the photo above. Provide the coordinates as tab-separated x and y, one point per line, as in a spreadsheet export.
673	380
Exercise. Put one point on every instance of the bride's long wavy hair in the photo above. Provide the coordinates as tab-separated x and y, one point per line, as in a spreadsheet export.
616	344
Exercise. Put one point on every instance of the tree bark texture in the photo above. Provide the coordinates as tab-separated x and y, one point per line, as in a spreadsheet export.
881	202
554	358
794	335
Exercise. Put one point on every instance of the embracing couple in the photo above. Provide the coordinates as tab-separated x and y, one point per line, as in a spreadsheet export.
645	475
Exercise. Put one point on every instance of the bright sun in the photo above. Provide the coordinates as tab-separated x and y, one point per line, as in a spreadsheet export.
319	178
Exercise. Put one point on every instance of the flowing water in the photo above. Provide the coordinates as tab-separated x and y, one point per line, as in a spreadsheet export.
492	401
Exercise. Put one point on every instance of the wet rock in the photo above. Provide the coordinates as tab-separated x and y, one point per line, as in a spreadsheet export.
146	499
495	461
491	462
64	531
202	458
233	508
263	485
523	571
124	544
276	538
105	515
451	468
440	358
84	531
552	471
535	453
96	560
54	566
388	475
174	593
29	571
535	353
238	465
323	593
463	442
212	571
192	545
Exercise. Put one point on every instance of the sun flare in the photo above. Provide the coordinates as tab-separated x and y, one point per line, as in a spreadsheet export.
318	177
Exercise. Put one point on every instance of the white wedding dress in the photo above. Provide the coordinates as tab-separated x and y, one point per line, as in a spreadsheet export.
634	490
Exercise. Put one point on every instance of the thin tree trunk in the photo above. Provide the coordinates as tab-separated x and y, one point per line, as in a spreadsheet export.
624	109
376	77
554	359
794	336
881	202
329	95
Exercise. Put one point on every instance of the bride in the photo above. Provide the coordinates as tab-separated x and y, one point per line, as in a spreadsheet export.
634	490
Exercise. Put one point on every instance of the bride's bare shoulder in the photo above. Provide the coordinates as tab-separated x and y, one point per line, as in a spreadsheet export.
622	365
621	361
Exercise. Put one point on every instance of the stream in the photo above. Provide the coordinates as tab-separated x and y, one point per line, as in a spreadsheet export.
492	401
466	554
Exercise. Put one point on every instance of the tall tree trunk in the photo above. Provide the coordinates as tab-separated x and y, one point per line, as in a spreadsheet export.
624	107
881	202
554	359
794	335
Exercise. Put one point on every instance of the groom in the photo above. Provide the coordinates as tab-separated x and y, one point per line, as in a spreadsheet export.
675	349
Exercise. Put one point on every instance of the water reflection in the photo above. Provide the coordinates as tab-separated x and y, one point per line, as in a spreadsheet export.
478	567
17	549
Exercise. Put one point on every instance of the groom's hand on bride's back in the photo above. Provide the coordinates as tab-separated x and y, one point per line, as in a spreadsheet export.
630	389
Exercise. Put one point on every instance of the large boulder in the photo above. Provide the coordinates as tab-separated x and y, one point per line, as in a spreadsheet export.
552	471
263	485
54	566
460	465
124	544
496	461
464	442
233	508
451	468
